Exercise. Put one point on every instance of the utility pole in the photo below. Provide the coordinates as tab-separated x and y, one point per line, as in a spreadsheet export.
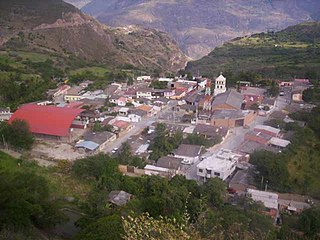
266	188
261	183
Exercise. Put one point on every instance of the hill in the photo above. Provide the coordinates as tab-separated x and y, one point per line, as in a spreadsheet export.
200	26
293	52
56	27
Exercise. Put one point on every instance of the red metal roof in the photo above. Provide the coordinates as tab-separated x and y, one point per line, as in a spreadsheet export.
49	120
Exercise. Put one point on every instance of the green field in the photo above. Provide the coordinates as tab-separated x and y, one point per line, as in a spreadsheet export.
97	71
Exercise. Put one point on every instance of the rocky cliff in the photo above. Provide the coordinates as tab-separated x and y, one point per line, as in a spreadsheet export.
59	28
200	25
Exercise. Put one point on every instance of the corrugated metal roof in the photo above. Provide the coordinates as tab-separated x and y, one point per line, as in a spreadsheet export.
48	120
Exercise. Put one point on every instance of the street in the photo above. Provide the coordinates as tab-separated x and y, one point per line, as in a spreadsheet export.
235	138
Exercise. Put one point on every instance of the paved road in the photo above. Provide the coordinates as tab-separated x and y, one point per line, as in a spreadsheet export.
138	128
234	139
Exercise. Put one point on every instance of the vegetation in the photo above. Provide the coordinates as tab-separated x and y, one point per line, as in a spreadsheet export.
293	52
25	198
164	143
158	85
16	135
197	139
295	169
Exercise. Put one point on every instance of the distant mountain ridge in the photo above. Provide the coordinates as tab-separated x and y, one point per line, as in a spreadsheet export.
56	27
199	26
292	52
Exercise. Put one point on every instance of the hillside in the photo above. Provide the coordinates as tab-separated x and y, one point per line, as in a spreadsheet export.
199	26
293	52
55	27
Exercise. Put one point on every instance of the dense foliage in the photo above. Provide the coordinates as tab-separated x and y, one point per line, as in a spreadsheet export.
16	135
25	200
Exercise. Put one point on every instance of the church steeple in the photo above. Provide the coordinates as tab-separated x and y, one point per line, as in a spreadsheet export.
220	85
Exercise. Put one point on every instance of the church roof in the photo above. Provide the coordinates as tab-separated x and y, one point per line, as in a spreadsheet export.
230	97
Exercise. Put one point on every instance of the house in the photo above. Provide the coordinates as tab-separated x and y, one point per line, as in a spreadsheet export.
157	171
231	119
278	142
148	109
296	95
165	79
121	125
144	93
259	137
63	89
134	117
268	103
5	114
119	198
229	100
171	163
48	121
101	138
73	94
252	95
269	199
211	132
144	78
241	180
87	145
189	153
123	111
139	112
179	93
271	131
122	101
220	165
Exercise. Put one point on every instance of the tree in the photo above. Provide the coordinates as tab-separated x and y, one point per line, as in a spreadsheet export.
17	134
109	227
25	201
309	221
214	190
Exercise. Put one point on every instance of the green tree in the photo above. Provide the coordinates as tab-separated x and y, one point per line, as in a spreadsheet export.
214	190
17	134
309	221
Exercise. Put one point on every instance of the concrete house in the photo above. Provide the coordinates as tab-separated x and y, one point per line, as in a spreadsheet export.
220	165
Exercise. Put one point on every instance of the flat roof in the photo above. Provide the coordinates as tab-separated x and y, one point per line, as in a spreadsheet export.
215	163
267	128
88	145
227	114
279	142
269	199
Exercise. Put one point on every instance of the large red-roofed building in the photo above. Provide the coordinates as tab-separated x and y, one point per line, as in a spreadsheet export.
47	120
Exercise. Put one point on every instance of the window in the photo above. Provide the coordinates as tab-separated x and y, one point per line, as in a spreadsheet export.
208	171
217	174
200	170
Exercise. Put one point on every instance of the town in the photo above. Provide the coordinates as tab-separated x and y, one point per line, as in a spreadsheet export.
218	128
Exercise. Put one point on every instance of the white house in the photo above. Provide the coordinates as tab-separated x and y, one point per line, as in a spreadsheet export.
144	93
189	153
220	165
143	78
134	117
5	114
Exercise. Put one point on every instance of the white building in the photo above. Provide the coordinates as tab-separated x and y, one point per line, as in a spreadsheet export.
145	93
269	199
143	78
220	85
220	165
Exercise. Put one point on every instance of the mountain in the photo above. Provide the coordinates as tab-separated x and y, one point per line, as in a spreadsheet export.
78	3
292	52
199	25
56	27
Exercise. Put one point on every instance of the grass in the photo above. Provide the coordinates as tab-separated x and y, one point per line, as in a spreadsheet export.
97	71
61	184
33	57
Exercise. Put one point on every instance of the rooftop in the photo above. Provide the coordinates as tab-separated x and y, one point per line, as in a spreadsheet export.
216	163
98	138
210	130
267	128
230	97
279	142
188	150
119	198
269	199
169	162
253	91
227	114
48	120
87	145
